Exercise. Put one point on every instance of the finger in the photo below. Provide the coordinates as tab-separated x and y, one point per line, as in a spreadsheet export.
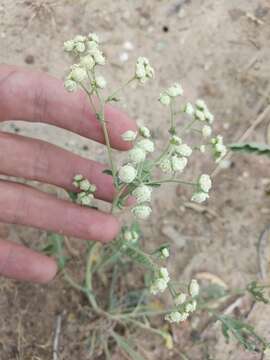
38	97
20	204
41	161
20	263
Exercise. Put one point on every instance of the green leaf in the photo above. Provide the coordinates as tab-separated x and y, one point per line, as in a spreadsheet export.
251	148
55	248
72	195
140	257
127	347
108	172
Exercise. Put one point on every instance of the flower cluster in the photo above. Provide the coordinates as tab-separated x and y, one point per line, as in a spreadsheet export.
161	281
86	48
219	148
143	70
203	187
166	96
86	195
185	304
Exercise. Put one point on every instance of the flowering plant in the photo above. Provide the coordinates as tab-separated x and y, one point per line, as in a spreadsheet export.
136	177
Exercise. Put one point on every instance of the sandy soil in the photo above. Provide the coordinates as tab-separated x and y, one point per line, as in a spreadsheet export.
220	51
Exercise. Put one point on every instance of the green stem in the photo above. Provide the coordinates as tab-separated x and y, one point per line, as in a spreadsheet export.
113	95
162	181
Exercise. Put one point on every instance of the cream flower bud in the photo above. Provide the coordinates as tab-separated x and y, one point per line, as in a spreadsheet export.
183	150
166	166
69	45
164	99
175	140
92	47
141	211
145	132
178	164
199	197
127	173
164	274
175	90
199	114
194	288
142	193
87	61
165	253
202	148
191	306
147	145
85	199
80	47
84	185
70	85
136	155
143	70
92	188
159	285
189	109
79	38
99	58
206	131
176	317
94	37
209	116
78	177
101	82
129	135
205	183
78	74
201	105
180	299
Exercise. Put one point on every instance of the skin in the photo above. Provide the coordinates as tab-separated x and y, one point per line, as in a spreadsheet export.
38	97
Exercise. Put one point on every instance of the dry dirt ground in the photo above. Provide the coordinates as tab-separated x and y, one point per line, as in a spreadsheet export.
220	51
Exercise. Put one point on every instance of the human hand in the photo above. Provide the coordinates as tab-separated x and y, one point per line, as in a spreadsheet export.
38	97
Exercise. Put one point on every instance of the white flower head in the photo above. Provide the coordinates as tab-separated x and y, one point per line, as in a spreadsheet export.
144	132
87	61
202	148
165	99
166	166
199	197
176	317
136	155
183	150
164	274
101	82
93	37
165	253
79	47
194	288
147	145
205	182
70	85
201	105
69	45
141	211
199	114
175	90
219	148
129	135
127	173
189	109
142	193
191	306
159	285
78	73
175	140
178	163
84	185
209	116
206	131
99	57
143	70
180	299
84	198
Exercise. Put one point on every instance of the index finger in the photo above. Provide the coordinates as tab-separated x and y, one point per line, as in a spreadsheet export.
38	97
